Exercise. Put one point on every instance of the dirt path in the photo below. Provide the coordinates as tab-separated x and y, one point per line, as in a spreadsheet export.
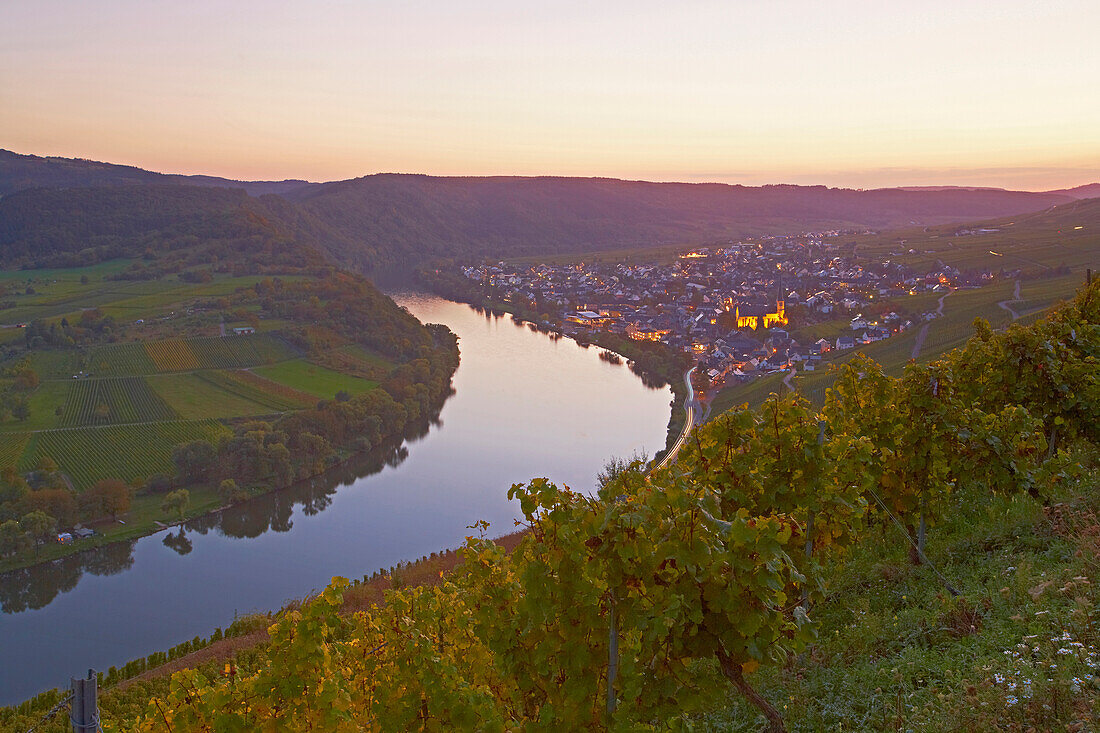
1015	299
919	342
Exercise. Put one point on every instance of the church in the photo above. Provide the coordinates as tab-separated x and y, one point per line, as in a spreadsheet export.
755	317
758	316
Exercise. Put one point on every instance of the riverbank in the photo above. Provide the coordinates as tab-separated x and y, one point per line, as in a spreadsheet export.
655	363
523	406
134	683
147	517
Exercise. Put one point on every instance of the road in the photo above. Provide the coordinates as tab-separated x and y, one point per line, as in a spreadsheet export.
1015	299
691	407
787	380
919	341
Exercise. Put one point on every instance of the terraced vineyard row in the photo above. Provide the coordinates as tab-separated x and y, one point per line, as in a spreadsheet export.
12	446
182	355
88	455
121	360
119	400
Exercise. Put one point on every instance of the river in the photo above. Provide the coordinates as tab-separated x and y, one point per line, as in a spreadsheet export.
524	406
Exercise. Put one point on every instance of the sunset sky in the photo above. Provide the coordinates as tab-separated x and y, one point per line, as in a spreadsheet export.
858	93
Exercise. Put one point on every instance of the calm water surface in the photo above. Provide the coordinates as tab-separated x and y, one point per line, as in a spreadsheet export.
524	406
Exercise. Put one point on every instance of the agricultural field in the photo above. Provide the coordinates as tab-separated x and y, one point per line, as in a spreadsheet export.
315	379
183	355
193	397
120	360
88	455
110	401
276	397
354	359
1068	235
12	446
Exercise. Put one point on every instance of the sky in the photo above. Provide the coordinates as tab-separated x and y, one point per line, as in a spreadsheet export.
854	93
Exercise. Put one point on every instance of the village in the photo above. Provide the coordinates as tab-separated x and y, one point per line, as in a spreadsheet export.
741	310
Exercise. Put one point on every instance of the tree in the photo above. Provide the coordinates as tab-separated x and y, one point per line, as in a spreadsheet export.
39	526
21	410
56	503
230	492
176	501
109	496
13	538
194	460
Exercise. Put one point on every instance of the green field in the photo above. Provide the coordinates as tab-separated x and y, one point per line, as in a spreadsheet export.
88	455
194	397
43	403
120	360
273	396
315	380
1068	235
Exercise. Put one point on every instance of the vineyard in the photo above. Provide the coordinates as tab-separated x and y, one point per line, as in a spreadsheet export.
120	360
88	455
702	592
172	356
181	355
11	447
118	400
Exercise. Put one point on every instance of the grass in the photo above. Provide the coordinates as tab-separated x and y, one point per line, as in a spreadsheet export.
194	397
1040	241
313	379
56	364
43	403
896	652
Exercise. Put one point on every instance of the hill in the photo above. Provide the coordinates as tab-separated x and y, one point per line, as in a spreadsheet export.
80	226
1067	235
425	217
185	338
392	222
19	172
1087	191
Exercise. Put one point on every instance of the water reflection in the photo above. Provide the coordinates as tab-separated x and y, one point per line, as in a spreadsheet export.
36	586
524	405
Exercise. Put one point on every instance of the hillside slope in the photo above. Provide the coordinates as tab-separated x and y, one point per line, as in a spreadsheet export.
19	172
395	221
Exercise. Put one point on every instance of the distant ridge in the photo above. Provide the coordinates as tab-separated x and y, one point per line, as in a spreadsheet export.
394	222
1088	191
18	172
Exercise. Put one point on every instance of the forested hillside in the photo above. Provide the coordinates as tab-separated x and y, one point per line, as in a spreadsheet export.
19	172
392	222
168	350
